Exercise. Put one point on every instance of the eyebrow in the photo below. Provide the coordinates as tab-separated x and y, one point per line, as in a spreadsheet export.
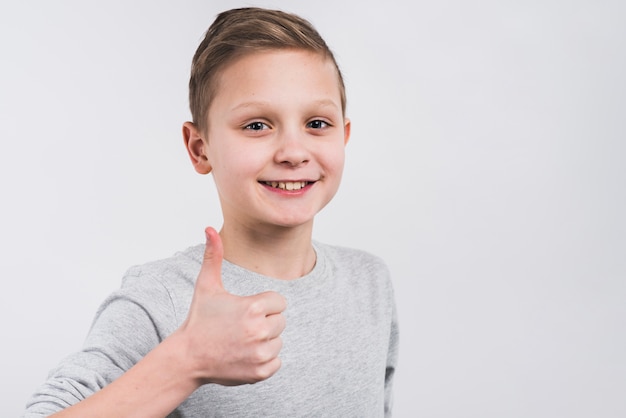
260	103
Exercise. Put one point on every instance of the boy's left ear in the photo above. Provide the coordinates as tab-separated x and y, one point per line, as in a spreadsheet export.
196	148
346	131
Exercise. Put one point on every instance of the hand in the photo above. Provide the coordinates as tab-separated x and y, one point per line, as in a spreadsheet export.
232	340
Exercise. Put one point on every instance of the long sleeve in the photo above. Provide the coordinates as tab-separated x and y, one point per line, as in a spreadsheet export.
129	323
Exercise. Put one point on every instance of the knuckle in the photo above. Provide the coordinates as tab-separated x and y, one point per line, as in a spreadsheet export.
262	354
255	308
263	334
256	332
266	370
262	374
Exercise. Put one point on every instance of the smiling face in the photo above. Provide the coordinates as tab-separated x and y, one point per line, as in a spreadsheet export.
275	138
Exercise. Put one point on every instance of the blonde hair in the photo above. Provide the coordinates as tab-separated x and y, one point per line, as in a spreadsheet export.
238	32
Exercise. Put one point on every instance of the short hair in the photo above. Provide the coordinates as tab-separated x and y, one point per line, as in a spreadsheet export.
239	32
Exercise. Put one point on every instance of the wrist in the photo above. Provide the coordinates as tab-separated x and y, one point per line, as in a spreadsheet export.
179	352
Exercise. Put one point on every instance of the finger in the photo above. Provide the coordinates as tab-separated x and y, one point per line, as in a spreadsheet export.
272	348
267	370
210	276
276	325
268	303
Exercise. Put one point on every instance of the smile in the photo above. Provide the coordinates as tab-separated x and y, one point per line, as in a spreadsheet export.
286	185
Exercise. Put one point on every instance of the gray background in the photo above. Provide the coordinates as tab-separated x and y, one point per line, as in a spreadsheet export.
486	166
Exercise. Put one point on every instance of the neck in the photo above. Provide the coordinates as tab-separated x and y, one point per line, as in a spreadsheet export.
282	253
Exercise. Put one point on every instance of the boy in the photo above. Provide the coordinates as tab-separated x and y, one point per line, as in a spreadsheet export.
261	320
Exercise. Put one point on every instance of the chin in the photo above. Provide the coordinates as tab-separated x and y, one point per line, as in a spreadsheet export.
293	222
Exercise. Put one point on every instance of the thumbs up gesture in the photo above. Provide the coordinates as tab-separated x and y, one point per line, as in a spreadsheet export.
232	340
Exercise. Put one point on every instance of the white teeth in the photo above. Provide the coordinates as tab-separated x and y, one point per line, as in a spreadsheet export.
287	185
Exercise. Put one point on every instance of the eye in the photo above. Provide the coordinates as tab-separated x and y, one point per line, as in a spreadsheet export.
317	124
256	126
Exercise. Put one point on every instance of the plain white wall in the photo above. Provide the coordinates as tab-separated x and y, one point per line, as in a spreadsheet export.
486	166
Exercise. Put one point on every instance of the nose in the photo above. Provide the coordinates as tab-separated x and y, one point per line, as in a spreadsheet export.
292	149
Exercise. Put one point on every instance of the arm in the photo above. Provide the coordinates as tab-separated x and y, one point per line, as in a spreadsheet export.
225	339
152	388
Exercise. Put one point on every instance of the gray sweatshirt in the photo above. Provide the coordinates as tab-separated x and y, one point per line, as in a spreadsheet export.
339	347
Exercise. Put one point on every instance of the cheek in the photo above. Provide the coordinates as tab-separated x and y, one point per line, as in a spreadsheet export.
336	159
234	167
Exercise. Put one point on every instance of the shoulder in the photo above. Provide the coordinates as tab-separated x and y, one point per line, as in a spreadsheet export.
163	288
178	269
353	258
360	270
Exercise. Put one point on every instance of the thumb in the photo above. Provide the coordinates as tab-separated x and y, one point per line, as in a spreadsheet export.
210	277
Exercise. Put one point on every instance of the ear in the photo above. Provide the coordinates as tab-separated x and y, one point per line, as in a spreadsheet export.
346	131
196	148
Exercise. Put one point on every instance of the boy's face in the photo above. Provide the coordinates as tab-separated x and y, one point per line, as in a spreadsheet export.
275	138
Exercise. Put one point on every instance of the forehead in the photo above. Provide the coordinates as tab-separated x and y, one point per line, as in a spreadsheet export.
278	77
